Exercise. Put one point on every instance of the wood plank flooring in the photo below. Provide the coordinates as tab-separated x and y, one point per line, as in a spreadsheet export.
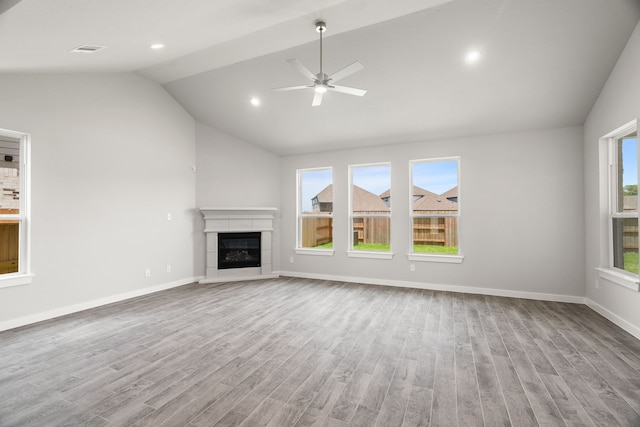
294	352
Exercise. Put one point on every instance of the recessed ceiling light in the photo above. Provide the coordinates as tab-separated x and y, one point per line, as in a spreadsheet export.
157	46
472	57
255	101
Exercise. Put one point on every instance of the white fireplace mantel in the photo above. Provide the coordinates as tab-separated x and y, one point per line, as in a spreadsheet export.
233	220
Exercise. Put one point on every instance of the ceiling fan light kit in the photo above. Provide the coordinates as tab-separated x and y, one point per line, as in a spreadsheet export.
321	82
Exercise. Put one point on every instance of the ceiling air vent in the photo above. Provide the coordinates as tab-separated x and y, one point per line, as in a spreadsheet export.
87	49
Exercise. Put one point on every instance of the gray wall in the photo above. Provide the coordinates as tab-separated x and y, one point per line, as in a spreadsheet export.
233	173
522	215
618	104
111	157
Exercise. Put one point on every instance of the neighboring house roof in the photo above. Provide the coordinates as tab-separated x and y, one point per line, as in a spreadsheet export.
417	191
363	200
434	203
366	201
451	193
326	195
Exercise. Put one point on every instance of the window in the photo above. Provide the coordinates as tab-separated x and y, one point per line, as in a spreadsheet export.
370	210
14	208
624	209
435	210
315	211
622	151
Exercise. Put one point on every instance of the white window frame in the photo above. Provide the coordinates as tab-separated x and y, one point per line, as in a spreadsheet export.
299	249
609	272
24	275
443	258
367	254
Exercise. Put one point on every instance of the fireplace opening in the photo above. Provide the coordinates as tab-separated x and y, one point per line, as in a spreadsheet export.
238	250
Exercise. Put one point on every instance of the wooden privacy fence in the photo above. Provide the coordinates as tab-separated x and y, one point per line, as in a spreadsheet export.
316	231
630	238
441	231
371	230
9	246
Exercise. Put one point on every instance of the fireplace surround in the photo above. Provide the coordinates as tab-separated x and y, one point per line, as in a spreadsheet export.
236	222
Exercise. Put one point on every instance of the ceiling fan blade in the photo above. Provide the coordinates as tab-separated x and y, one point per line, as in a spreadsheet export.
349	90
282	89
317	99
346	71
304	70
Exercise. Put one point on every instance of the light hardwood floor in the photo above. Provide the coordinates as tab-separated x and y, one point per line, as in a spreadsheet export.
287	352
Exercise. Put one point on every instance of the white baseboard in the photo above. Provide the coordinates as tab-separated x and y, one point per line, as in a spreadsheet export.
629	327
47	315
439	287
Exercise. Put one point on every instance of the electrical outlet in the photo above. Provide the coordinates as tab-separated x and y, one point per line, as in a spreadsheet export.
412	267
169	217
168	268
147	272
291	260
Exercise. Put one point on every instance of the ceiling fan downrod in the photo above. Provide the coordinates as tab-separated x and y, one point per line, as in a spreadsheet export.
321	27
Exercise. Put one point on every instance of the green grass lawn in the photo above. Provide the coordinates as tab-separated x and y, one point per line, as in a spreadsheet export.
434	249
372	247
429	249
631	262
418	249
325	246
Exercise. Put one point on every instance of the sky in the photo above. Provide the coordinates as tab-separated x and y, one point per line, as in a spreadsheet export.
375	179
629	161
437	177
313	182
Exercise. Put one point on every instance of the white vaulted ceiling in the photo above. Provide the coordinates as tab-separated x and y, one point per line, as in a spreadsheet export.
543	62
36	35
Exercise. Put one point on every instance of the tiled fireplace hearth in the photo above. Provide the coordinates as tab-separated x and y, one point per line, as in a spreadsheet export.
238	220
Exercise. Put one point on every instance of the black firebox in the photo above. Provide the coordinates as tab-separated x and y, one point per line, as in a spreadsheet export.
238	250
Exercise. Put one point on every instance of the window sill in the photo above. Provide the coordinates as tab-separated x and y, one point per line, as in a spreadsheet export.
369	254
629	281
449	259
15	280
318	252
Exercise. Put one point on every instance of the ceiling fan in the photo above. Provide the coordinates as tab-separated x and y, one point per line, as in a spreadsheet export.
322	82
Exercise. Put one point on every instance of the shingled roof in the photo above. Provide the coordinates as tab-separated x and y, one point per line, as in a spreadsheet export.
326	195
453	193
363	200
434	203
366	201
417	191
